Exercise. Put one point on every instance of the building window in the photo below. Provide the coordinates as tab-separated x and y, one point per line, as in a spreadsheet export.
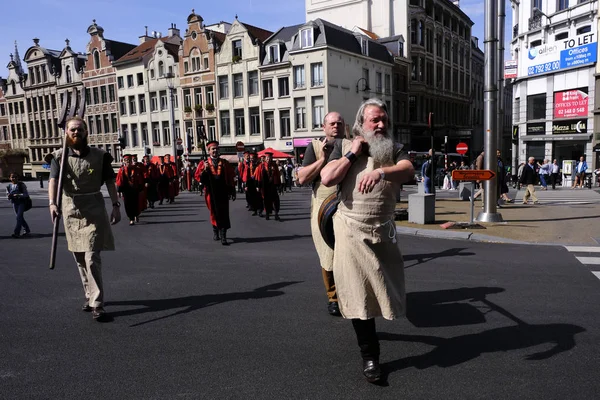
164	104
212	130
95	96
238	85
284	86
252	83
129	81
306	38
187	98
140	79
316	72
114	122
269	125
537	4
96	59
299	79
161	69
205	62
584	29
365	75
186	67
153	102
318	112
254	120
106	123
103	94
536	106
197	96
155	134
388	84
210	95
413	31
134	135
122	106
132	105
124	131
111	94
68	73
144	133
237	48
142	103
151	74
274	53
239	122
225	124
267	89
166	133
400	48
284	123
379	82
223	87
364	46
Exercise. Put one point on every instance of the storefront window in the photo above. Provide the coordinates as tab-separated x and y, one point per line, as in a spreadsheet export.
536	106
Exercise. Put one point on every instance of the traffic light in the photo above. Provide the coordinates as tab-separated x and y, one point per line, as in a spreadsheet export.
515	134
445	147
122	142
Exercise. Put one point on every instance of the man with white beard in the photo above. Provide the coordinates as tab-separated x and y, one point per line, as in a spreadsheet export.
367	263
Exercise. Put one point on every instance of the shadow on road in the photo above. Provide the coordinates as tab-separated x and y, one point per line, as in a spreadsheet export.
268	239
171	222
193	303
423	258
34	236
554	219
440	308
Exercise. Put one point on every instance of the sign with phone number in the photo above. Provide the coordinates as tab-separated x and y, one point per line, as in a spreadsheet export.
573	57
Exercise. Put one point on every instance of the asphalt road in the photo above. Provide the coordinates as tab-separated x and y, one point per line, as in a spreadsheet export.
197	320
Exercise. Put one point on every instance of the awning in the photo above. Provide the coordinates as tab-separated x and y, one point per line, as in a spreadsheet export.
553	138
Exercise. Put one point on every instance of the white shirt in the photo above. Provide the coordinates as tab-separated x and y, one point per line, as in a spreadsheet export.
555	168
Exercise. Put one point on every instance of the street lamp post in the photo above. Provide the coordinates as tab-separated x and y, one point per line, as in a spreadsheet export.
170	84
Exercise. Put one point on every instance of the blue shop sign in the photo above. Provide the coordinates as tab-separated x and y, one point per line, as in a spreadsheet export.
578	56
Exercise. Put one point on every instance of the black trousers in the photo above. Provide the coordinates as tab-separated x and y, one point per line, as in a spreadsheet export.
366	335
554	180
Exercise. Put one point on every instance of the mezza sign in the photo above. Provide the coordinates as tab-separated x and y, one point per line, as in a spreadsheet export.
566	53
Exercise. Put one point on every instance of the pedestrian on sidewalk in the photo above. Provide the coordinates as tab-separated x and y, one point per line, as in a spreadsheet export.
528	179
86	222
427	173
17	194
544	171
479	166
315	158
580	172
554	171
367	262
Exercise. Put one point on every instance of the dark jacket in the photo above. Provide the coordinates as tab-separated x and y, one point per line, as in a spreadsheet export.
529	175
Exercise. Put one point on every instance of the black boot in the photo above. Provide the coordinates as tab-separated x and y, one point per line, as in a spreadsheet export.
215	233
368	342
224	237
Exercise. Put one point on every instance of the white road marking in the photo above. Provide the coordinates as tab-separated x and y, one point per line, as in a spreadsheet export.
589	260
597	273
583	249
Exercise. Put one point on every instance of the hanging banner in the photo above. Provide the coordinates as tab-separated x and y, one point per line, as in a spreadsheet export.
574	51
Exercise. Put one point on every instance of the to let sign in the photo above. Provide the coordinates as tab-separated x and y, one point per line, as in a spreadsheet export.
472	174
570	104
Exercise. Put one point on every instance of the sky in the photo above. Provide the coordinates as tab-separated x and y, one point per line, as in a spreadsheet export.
53	21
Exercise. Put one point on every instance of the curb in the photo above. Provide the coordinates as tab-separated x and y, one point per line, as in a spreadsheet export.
465	235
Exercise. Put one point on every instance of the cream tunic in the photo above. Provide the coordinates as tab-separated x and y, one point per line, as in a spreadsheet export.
367	263
319	194
87	227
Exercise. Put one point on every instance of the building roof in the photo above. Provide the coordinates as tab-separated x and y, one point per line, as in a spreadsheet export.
368	33
118	49
217	36
257	33
145	50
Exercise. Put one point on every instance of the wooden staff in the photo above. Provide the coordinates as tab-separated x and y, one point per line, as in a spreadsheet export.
79	108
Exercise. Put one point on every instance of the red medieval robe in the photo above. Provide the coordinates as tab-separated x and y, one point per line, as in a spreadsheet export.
268	180
143	198
130	183
165	174
217	178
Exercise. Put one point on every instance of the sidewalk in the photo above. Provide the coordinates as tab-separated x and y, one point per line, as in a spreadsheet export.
543	223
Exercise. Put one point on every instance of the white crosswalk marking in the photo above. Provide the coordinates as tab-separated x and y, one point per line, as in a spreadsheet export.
591	262
563	196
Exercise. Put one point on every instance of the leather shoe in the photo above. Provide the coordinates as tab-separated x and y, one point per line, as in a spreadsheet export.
334	309
86	307
99	314
372	371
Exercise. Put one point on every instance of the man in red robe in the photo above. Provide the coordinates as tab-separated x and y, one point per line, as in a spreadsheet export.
165	175
217	178
151	179
268	178
174	180
253	197
143	197
130	182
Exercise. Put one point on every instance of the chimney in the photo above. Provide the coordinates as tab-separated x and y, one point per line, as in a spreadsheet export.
173	31
144	38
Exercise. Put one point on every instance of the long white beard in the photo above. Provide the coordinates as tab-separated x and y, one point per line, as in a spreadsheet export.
381	148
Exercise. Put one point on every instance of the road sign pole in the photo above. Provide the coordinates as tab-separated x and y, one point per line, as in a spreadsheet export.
472	199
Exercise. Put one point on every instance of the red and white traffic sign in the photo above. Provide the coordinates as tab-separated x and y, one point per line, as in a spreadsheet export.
179	141
462	148
239	146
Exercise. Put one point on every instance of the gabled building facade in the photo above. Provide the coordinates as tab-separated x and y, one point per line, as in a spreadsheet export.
4	125
15	100
197	56
237	73
322	67
146	75
100	82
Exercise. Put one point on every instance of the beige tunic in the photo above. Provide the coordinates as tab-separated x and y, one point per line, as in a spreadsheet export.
367	263
319	194
87	227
